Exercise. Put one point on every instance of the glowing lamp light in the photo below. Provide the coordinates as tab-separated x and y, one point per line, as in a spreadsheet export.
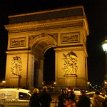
54	83
3	81
105	82
104	45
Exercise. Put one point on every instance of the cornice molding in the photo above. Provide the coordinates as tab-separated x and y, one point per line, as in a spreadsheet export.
46	25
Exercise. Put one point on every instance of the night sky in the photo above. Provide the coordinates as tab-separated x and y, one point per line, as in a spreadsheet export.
96	12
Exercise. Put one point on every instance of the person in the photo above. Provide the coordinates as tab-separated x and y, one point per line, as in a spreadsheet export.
105	102
61	98
45	98
69	102
34	99
84	100
97	100
71	95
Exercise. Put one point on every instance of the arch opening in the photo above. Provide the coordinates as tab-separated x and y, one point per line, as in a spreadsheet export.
44	64
49	66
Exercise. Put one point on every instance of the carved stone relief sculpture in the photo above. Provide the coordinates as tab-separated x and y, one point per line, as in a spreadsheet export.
16	68
70	64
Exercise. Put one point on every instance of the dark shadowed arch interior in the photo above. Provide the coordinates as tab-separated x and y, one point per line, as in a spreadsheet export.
49	66
36	67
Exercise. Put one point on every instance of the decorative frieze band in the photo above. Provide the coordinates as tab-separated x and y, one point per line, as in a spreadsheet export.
17	42
32	38
70	37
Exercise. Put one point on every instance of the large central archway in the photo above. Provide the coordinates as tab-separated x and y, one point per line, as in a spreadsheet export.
48	68
39	46
31	35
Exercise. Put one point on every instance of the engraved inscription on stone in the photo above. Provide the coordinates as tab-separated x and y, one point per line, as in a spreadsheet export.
17	42
71	37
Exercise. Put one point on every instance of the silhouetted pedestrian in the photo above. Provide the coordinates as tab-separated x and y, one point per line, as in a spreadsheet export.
34	100
71	95
97	100
84	100
69	102
61	98
105	102
45	98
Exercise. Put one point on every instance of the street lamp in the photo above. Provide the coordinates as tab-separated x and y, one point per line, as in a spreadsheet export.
3	83
104	46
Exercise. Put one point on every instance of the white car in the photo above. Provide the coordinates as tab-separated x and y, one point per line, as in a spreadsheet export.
77	91
14	96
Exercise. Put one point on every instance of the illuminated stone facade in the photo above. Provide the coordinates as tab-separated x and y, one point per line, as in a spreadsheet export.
31	35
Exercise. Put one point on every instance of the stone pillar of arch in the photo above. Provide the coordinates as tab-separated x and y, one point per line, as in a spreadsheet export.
31	35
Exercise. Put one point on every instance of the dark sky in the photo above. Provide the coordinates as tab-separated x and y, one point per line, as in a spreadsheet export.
96	12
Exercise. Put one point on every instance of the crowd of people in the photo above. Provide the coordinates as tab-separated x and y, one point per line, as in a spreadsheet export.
40	99
67	98
99	100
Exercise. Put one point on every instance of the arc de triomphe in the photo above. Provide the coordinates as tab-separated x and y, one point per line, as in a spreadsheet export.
30	35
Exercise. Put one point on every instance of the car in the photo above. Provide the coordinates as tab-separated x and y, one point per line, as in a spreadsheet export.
90	94
14	96
77	91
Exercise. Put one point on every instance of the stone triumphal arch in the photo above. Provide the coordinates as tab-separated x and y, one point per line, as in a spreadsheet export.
31	35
